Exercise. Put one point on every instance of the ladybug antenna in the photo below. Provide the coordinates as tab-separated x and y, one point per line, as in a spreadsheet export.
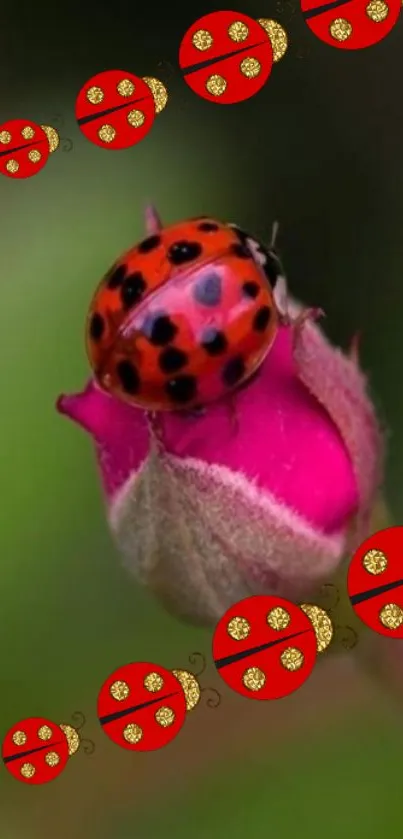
88	746
274	234
193	658
67	144
330	596
214	699
78	720
347	636
152	221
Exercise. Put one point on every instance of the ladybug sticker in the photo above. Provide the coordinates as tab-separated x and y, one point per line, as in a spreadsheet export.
115	109
375	582
35	750
142	707
264	647
24	148
351	24
226	57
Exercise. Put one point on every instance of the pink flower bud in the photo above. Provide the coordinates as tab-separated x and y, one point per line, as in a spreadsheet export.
265	498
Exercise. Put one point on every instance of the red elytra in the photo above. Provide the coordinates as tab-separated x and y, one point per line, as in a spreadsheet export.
217	35
35	750
141	706
264	647
115	109
24	148
351	25
375	582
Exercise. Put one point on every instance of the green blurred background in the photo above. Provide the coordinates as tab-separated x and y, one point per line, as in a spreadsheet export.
319	149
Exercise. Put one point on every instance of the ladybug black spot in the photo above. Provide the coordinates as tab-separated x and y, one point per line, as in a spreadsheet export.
159	329
208	227
251	289
133	289
129	377
261	319
233	371
182	389
172	359
214	341
97	326
183	251
207	290
241	251
115	277
150	244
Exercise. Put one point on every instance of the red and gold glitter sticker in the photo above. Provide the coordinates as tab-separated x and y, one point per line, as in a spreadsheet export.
351	24
115	109
35	750
264	647
226	57
375	582
24	148
142	706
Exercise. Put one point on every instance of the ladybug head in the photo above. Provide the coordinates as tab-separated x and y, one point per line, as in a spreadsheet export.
265	255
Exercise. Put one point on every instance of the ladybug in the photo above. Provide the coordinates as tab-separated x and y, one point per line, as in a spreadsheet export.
264	647
185	316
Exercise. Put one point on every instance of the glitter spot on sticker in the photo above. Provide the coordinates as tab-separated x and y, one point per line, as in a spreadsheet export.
377	11
277	35
153	682
135	118
72	737
133	733
125	87
292	659
375	562
52	759
238	31
12	166
107	133
340	29
254	679
216	85
391	616
5	137
278	618
159	92
27	770
250	67
190	687
119	691
165	716
34	156
19	738
28	133
238	628
95	95
45	732
202	40
321	623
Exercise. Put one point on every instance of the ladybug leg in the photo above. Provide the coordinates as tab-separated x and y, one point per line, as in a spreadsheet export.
280	298
297	323
233	413
354	351
199	411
